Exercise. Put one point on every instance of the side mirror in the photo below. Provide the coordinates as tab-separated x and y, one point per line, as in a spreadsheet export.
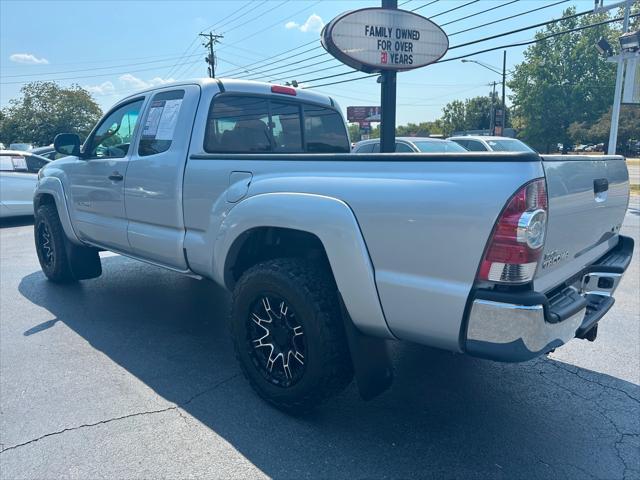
67	144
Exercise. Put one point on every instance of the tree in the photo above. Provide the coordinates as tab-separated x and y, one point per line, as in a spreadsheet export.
470	114
563	80
598	132
46	109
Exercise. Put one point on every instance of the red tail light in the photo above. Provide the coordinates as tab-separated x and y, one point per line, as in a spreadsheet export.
283	90
518	237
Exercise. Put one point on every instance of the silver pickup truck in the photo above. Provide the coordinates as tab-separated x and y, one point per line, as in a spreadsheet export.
329	254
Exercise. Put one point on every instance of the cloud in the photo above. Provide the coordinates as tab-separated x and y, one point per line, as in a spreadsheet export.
313	24
28	59
135	82
105	88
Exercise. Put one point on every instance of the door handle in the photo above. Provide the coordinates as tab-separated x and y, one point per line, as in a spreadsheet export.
115	176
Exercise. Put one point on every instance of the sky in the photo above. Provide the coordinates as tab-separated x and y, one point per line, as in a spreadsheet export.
113	48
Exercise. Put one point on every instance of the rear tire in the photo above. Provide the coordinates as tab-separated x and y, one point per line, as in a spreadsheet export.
289	334
60	260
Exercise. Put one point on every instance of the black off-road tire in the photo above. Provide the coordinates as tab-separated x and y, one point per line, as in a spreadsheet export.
61	261
310	291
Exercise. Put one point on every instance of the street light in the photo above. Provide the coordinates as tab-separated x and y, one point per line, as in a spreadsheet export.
489	67
630	41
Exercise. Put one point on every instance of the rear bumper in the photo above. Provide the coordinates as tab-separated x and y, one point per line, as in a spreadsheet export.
518	326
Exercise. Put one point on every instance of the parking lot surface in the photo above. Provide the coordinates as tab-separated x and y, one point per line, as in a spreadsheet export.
132	375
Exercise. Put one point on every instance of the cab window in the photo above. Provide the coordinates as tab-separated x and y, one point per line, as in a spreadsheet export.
365	148
285	124
160	122
324	130
403	148
475	146
114	134
238	124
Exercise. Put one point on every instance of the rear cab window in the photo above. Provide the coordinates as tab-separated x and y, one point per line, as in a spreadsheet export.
260	124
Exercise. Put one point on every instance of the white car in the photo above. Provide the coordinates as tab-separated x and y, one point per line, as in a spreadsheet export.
18	179
479	143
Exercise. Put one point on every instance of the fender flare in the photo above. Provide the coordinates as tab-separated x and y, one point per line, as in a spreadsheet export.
330	220
53	186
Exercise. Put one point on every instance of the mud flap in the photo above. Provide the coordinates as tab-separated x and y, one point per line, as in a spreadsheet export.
370	357
84	261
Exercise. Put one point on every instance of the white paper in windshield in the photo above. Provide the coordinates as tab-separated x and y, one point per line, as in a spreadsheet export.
153	119
168	119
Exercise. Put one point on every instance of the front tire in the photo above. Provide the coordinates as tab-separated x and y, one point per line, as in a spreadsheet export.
289	334
61	261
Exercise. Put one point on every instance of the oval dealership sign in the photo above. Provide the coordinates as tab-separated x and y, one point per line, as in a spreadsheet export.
376	39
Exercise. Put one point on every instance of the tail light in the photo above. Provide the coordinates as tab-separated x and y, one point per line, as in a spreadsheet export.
516	243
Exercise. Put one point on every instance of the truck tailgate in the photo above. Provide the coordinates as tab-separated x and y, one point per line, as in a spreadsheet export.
588	198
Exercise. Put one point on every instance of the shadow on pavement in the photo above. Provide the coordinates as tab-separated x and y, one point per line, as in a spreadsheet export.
446	415
16	221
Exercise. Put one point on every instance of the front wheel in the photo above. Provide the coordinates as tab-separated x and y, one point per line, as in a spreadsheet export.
289	335
61	261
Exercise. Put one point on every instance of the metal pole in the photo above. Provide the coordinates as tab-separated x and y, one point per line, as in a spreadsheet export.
492	125
388	101
504	86
617	95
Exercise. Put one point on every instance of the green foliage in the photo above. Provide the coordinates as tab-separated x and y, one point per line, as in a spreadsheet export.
470	114
46	109
563	81
598	131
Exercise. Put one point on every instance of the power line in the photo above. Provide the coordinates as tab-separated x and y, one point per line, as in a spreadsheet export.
508	18
260	15
93	76
492	9
192	46
266	60
455	8
279	21
281	66
422	6
96	68
551	35
501	47
425	5
511	32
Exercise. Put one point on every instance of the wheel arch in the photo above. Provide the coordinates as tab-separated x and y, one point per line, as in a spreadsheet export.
320	225
50	191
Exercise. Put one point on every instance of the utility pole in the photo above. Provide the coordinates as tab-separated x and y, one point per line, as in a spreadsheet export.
388	101
211	58
504	88
492	123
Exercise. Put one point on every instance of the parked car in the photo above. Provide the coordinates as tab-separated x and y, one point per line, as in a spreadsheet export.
23	147
18	179
478	143
47	152
410	145
329	254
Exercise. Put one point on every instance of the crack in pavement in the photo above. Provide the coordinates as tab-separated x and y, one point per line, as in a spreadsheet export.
176	407
591	380
602	411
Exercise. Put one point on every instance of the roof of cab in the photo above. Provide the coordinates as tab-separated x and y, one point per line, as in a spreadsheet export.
245	86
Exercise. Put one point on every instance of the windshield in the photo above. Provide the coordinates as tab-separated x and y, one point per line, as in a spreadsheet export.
439	147
511	145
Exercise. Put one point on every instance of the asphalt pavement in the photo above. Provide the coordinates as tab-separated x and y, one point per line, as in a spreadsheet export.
132	376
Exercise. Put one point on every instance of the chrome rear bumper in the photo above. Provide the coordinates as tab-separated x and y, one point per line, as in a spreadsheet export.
514	327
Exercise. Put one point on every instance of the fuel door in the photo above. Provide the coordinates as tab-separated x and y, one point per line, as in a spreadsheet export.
238	186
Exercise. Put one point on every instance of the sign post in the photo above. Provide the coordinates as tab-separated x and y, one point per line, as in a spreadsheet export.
385	40
388	88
